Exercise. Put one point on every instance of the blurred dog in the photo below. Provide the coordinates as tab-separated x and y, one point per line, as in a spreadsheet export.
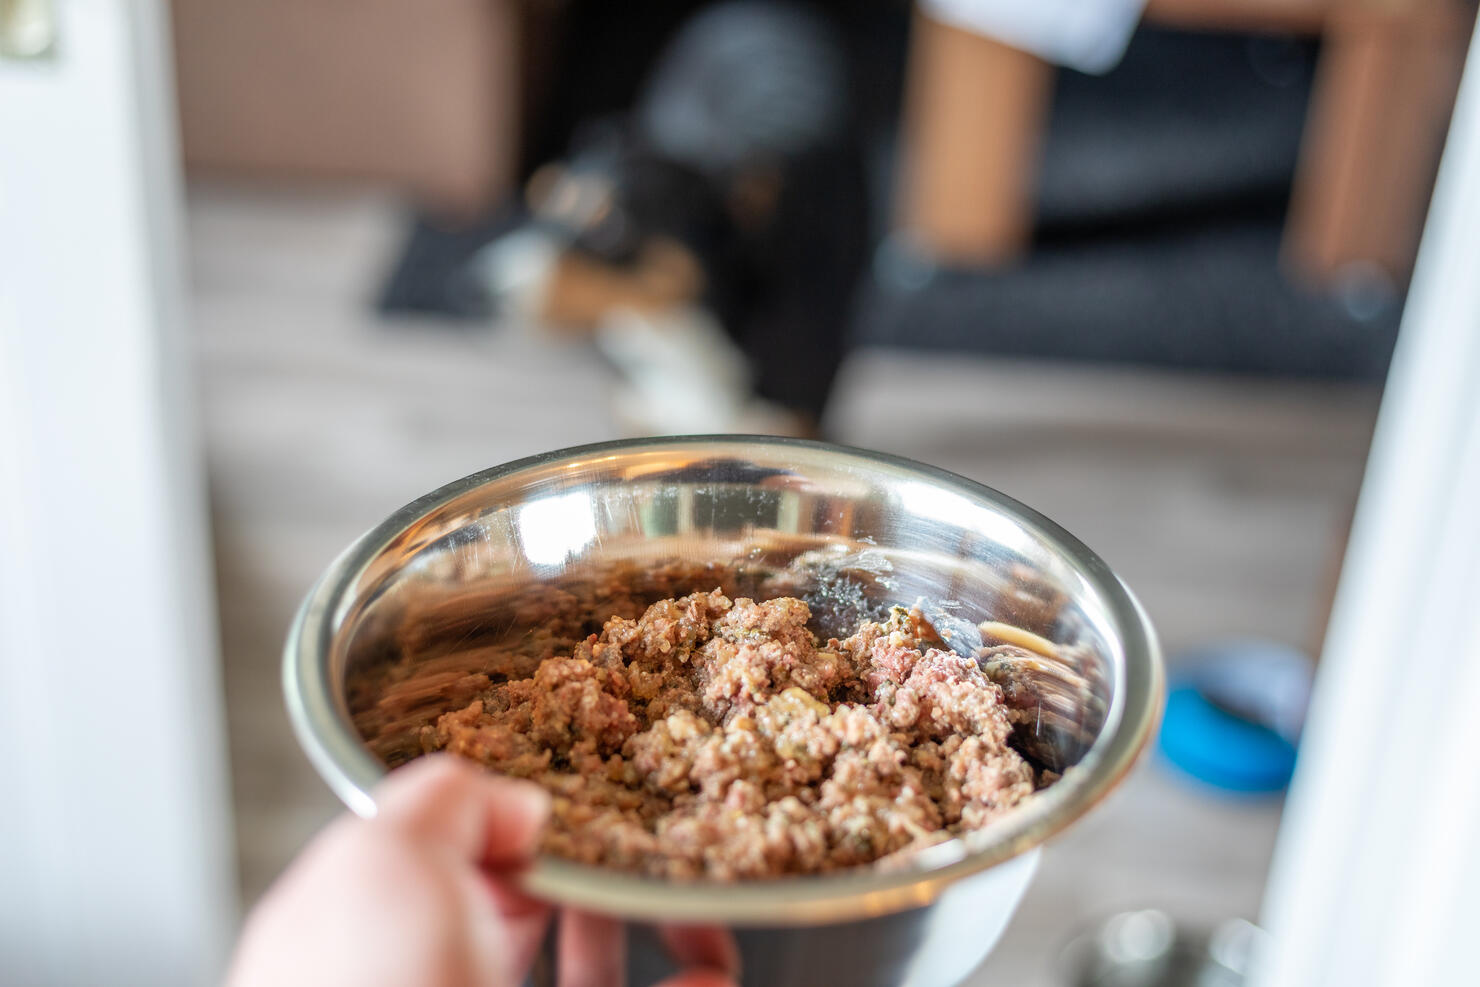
710	242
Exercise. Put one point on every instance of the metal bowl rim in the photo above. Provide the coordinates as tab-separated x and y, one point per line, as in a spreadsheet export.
337	752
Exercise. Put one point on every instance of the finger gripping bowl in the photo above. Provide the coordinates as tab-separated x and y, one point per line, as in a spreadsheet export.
850	531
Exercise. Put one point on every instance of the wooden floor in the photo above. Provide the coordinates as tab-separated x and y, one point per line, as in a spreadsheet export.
1222	503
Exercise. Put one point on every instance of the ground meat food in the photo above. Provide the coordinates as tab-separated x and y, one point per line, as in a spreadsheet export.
718	738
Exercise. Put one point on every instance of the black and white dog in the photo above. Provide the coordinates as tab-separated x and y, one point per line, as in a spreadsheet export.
711	241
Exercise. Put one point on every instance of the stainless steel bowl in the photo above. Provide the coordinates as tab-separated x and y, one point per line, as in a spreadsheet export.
850	530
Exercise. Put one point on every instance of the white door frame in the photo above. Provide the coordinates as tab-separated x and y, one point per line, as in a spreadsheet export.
115	844
1376	876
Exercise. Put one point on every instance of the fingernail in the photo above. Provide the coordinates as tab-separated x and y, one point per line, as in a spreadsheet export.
533	800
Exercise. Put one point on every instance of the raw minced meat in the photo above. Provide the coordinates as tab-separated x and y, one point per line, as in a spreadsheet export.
718	738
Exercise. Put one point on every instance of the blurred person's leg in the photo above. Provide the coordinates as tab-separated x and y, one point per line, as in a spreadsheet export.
813	256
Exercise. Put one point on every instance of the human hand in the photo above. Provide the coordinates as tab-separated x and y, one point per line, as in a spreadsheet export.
422	895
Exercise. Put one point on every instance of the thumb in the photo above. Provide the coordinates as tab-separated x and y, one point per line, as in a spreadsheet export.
483	818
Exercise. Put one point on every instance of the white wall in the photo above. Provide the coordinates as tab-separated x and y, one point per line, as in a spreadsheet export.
114	823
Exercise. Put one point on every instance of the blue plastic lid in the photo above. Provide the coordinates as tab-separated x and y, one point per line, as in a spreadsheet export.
1222	749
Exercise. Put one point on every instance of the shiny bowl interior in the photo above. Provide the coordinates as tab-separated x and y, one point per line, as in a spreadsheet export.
851	531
